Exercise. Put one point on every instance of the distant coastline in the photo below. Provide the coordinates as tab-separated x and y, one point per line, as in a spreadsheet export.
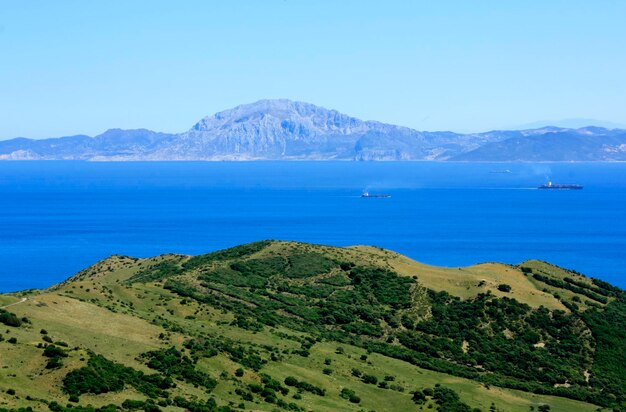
296	131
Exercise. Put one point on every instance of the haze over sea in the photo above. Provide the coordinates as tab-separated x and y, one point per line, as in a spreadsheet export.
56	218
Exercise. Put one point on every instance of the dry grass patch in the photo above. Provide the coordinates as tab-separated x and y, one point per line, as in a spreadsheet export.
116	336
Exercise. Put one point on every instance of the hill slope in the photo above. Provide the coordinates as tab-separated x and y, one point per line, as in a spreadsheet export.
287	130
292	326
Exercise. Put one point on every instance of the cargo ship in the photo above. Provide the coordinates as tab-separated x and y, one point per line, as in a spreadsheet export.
367	194
551	185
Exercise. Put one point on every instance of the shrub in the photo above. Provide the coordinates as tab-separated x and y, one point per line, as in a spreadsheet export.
305	386
273	385
54	363
52	351
345	393
133	404
291	381
9	319
419	397
350	395
370	379
504	288
448	400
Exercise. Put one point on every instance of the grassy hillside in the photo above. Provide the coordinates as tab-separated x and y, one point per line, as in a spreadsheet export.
292	326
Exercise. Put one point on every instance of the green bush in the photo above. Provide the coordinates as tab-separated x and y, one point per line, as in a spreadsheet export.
305	386
350	395
354	399
370	379
10	319
54	363
52	351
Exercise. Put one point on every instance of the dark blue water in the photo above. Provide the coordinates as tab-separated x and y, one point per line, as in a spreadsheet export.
59	217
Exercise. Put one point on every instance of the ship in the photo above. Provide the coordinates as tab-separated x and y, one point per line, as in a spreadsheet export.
382	195
553	186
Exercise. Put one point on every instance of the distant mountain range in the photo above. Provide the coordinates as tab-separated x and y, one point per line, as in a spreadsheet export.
575	123
287	130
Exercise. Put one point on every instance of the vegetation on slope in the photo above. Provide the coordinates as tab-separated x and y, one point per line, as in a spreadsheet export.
277	325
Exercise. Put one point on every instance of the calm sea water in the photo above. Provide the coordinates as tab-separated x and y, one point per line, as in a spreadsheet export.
59	217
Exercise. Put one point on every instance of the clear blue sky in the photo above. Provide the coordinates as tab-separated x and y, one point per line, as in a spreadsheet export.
69	67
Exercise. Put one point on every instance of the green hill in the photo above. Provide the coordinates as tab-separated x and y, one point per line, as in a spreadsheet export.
291	326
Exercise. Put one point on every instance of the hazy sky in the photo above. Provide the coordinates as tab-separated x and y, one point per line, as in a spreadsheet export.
69	67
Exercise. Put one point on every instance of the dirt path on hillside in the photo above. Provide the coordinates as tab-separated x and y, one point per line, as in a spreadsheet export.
14	303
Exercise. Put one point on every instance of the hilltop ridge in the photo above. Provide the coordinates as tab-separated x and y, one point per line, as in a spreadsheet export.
295	326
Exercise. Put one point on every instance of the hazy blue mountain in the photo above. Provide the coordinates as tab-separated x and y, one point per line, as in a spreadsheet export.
575	123
287	130
113	144
584	144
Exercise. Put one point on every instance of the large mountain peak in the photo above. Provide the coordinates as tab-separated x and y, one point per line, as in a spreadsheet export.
284	113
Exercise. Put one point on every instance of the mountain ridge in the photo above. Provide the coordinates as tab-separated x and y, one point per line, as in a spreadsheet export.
282	129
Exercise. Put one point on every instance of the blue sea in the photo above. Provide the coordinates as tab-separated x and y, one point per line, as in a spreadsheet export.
56	218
